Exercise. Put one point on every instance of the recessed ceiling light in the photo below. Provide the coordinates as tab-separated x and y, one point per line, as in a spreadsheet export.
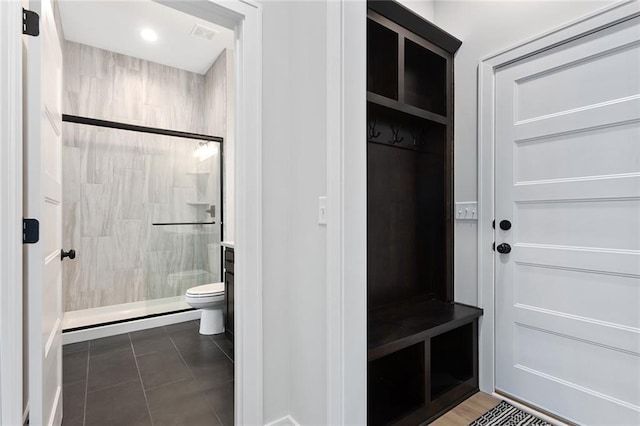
148	34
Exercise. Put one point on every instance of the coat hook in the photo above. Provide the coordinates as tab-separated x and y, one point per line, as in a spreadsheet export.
372	129
416	136
395	130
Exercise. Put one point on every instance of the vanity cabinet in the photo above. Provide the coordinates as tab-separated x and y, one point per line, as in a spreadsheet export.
422	347
228	292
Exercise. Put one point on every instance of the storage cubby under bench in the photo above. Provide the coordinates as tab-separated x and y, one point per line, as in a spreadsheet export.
423	360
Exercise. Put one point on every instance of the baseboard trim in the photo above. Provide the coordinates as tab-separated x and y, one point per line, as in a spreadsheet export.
127	327
533	411
284	421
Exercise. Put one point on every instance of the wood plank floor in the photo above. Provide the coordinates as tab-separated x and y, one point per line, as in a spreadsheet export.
468	411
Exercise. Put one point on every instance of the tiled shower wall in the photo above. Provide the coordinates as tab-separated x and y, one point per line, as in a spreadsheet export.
103	84
116	183
219	110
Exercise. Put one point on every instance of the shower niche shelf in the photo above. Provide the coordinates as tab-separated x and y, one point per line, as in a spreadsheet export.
199	173
199	203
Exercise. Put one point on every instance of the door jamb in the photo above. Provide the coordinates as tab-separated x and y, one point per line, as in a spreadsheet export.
11	409
487	69
245	18
346	213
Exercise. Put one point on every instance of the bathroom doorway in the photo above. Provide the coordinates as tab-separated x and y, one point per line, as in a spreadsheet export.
145	108
146	126
244	18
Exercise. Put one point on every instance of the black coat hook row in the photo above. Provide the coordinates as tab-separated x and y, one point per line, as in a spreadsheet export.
372	129
416	135
395	130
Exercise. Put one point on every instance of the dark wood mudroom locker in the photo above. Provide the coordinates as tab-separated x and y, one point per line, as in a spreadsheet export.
422	347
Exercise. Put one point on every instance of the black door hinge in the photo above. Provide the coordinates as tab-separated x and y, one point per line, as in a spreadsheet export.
493	224
493	246
30	231
30	23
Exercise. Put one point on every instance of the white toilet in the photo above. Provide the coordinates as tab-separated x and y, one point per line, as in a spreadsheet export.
210	299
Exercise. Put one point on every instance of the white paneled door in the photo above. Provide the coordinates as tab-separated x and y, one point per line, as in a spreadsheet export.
43	195
567	179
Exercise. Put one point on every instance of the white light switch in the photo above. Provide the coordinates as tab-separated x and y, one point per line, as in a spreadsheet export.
322	210
467	210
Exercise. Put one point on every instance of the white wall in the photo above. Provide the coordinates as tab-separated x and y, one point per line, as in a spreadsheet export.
275	210
294	175
308	262
424	8
486	27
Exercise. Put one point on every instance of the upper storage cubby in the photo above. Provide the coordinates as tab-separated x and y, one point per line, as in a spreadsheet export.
382	60
425	78
405	71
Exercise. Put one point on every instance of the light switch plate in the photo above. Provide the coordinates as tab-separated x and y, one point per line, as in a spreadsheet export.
322	210
467	210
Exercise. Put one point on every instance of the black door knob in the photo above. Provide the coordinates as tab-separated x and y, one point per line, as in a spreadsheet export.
505	225
71	254
504	248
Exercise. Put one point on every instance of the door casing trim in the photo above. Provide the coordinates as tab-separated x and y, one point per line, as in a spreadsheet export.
346	295
11	410
487	69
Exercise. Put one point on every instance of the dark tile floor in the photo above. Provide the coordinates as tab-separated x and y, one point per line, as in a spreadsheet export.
162	376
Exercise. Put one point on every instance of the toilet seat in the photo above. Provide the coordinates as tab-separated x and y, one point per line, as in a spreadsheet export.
206	290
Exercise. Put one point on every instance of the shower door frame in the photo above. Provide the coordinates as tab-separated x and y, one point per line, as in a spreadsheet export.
118	125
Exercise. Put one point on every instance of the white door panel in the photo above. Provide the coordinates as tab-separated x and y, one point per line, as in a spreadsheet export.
578	258
594	223
568	179
587	188
614	113
536	95
591	71
584	329
601	151
608	408
576	292
43	193
566	358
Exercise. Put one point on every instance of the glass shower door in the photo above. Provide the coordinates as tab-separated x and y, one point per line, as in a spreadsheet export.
144	213
185	232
